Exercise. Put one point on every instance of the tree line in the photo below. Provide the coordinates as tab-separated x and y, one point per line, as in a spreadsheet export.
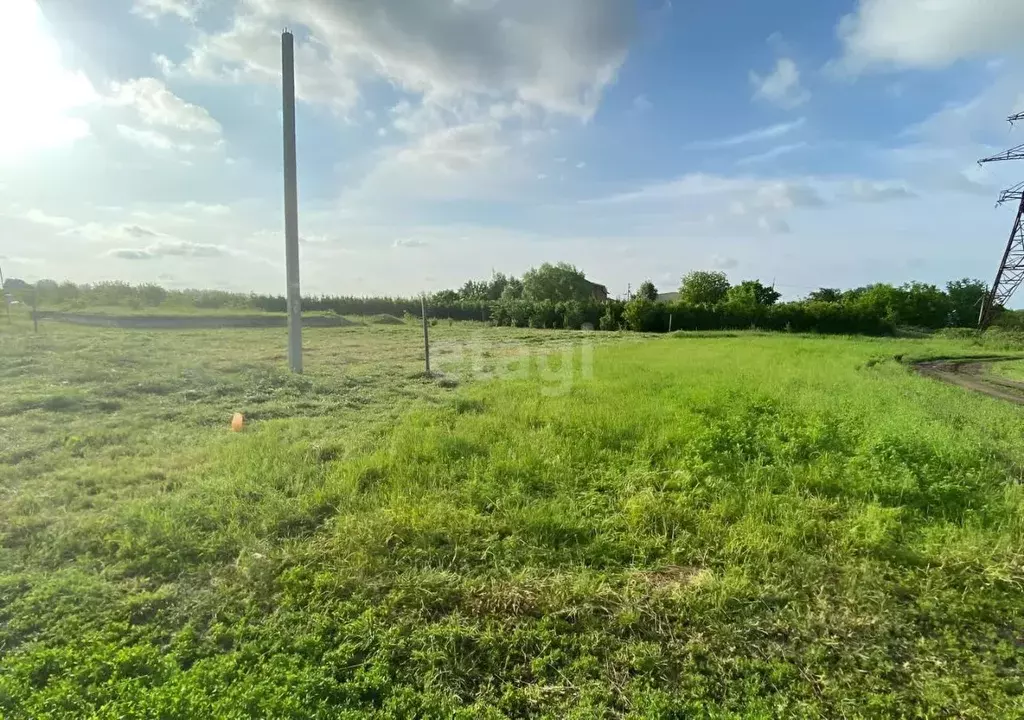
560	296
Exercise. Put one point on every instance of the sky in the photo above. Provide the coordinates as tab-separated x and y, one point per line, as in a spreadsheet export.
803	144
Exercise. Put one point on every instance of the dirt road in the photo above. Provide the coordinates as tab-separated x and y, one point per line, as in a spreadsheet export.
974	374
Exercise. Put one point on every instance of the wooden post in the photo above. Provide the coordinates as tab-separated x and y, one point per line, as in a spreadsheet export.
426	332
670	322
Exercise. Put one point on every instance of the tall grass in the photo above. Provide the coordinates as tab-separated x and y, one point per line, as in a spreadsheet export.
747	526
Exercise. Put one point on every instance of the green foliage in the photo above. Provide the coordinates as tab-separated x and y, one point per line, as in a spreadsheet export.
612	318
874	309
702	287
558	283
752	294
965	299
913	304
726	527
826	295
444	298
647	291
573	314
644	315
491	290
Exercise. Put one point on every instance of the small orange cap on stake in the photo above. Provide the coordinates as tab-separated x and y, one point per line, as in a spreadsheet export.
237	422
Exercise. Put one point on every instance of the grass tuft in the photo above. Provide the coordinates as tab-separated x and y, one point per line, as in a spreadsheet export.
739	525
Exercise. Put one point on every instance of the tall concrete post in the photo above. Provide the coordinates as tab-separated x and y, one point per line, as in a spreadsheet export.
291	206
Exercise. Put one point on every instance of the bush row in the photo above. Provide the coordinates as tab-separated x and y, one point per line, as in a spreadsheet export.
876	310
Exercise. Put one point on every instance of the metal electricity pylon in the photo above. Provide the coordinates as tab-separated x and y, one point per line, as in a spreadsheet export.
1011	269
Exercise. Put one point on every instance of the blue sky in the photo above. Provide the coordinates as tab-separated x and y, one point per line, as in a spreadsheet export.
809	144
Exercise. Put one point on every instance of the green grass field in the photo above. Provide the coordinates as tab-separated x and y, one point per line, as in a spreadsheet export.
728	526
1010	370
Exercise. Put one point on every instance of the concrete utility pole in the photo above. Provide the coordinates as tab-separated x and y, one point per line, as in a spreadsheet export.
291	205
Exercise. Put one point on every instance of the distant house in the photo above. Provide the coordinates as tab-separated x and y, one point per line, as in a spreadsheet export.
600	292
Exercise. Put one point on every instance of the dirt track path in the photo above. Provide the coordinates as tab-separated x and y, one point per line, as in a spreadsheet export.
973	374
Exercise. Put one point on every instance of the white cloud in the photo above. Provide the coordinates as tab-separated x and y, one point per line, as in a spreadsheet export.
410	243
40	218
170	248
455	150
787	194
157	106
206	209
150	139
249	52
868	191
766	133
556	56
721	262
772	154
463	161
641	104
98	232
941	151
929	33
758	192
773	225
782	86
155	9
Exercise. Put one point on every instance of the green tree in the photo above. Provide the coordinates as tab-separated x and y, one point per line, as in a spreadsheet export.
752	293
558	283
500	282
829	295
475	290
702	287
643	315
924	305
511	291
647	291
965	299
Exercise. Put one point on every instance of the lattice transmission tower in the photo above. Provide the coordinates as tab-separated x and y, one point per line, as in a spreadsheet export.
1011	269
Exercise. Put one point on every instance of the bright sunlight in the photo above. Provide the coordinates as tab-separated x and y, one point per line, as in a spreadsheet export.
48	94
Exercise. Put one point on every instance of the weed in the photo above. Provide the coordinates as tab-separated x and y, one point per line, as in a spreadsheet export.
731	525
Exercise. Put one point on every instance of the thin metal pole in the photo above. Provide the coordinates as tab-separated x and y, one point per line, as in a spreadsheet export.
426	331
291	206
670	322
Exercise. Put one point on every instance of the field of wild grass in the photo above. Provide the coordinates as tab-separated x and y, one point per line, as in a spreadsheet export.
725	526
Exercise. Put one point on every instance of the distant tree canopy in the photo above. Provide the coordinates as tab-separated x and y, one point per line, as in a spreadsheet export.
826	295
647	291
11	284
560	296
965	299
558	283
752	293
703	287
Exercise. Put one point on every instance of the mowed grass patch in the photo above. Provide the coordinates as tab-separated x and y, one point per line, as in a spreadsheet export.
750	526
1013	370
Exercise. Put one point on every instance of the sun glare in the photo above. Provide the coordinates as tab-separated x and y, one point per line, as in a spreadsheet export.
44	95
